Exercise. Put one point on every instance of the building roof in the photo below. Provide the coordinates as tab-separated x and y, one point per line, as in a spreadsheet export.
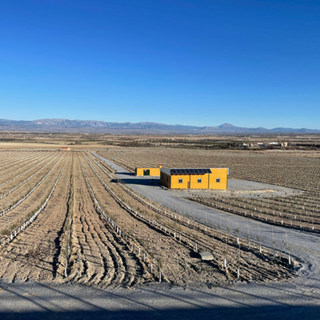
166	171
184	171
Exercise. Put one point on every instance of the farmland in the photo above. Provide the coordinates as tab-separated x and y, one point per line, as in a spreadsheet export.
66	218
300	171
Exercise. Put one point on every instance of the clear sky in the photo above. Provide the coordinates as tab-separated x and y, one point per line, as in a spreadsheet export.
199	62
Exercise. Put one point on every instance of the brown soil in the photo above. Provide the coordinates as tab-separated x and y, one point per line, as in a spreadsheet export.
35	253
97	254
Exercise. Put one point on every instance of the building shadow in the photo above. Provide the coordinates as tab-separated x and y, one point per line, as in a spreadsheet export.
130	174
149	181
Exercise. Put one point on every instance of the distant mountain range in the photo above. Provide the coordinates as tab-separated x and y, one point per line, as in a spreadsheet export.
91	126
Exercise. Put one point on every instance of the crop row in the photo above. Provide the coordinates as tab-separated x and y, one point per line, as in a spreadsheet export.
33	215
6	193
29	162
300	172
28	197
18	202
173	224
9	163
32	167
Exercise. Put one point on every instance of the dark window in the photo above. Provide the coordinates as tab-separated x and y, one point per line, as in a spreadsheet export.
218	180
199	180
180	180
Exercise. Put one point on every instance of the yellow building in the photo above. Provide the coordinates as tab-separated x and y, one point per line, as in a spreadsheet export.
148	172
213	178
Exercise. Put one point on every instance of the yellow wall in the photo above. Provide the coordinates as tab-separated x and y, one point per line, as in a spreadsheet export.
153	171
208	180
175	182
221	173
194	181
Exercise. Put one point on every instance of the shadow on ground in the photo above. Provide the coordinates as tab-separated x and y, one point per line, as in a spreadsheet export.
149	181
41	301
266	312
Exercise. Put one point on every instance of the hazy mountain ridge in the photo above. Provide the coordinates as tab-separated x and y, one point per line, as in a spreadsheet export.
95	126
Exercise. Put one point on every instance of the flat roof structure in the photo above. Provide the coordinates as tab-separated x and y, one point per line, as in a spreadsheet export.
183	171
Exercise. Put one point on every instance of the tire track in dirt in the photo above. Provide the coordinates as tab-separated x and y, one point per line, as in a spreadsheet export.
101	257
88	263
131	261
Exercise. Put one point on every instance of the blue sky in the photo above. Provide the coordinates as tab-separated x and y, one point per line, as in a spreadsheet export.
198	62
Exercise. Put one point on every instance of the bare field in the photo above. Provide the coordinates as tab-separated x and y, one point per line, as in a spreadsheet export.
65	218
